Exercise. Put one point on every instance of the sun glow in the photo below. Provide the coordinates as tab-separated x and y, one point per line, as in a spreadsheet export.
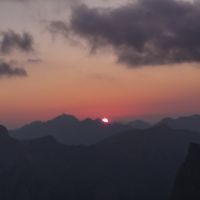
105	120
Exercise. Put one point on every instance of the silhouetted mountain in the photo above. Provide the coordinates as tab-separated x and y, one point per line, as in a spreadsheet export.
139	124
150	157
191	123
16	174
3	131
69	130
187	185
135	164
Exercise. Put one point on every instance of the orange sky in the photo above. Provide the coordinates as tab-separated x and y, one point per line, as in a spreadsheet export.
110	91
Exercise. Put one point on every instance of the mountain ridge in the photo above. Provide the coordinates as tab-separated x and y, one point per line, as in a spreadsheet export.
68	129
123	166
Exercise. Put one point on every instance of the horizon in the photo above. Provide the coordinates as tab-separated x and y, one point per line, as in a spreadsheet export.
111	121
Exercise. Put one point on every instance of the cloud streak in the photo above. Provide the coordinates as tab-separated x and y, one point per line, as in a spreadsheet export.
6	70
141	33
10	41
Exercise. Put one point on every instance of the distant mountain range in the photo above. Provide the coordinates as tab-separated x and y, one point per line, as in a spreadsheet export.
191	123
137	164
68	129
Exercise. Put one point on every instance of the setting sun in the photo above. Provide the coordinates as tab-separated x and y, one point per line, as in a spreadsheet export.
105	120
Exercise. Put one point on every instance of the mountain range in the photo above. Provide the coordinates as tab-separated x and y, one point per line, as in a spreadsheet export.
191	123
137	164
68	129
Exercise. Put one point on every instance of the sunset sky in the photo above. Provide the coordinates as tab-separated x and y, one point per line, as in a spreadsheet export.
98	58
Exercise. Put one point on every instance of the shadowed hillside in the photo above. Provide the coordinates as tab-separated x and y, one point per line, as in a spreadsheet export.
187	184
135	164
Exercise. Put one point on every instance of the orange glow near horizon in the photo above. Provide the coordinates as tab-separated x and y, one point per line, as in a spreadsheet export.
92	86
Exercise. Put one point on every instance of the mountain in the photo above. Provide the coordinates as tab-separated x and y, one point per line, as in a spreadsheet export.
16	174
69	130
150	159
139	124
3	131
187	184
135	164
191	123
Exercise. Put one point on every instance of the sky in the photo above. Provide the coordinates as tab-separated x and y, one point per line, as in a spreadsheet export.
120	59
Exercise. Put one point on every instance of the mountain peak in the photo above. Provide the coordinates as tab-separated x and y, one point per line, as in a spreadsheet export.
64	118
3	131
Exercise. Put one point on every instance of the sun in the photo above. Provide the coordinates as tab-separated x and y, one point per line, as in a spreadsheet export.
105	120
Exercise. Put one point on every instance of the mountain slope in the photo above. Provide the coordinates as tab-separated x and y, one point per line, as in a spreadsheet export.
16	174
150	157
135	164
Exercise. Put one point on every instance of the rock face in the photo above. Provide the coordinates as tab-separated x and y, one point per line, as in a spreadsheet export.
187	184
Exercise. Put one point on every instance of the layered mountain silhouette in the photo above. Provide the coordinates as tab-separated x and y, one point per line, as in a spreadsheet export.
139	124
191	123
69	130
187	184
135	164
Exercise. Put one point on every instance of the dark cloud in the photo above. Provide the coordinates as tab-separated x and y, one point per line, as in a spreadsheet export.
59	27
144	32
10	71
11	40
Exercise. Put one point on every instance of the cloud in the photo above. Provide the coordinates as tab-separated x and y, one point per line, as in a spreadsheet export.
9	71
34	60
58	27
10	40
143	32
71	2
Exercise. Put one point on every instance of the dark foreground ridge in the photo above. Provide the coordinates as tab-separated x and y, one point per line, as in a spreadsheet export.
135	164
187	184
